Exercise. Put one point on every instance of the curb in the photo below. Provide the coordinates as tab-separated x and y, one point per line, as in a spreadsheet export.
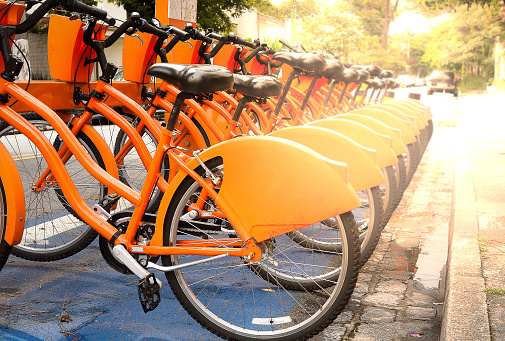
465	314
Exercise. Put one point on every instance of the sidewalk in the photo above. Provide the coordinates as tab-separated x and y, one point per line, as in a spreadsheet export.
475	297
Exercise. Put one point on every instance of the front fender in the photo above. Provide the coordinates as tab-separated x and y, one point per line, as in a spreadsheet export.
381	128
14	195
408	136
272	186
362	135
362	162
397	112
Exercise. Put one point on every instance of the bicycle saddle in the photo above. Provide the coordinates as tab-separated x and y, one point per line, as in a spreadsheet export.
304	61
376	83
390	83
348	76
363	75
387	74
374	70
334	68
257	86
194	78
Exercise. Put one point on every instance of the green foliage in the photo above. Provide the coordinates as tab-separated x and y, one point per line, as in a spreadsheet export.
472	82
371	15
303	8
333	28
211	13
372	53
465	42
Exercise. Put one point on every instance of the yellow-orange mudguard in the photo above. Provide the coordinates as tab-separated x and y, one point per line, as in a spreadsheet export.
14	197
408	111
362	162
381	128
400	114
362	135
409	131
270	186
419	105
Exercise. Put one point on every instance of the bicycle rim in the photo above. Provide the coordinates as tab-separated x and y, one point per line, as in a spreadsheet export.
232	299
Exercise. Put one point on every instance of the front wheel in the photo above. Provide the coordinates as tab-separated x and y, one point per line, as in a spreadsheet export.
232	299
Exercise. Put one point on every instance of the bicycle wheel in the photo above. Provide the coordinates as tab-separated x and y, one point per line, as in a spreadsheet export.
231	298
5	249
368	219
52	230
389	193
132	171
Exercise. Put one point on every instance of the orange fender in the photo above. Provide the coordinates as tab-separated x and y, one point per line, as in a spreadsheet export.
419	105
362	162
14	195
271	186
362	135
381	128
409	130
397	112
409	111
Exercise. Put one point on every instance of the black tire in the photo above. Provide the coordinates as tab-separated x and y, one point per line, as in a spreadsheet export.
411	161
402	175
229	299
389	192
50	233
5	249
368	220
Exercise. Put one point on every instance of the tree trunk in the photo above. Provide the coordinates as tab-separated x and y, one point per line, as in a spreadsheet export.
388	17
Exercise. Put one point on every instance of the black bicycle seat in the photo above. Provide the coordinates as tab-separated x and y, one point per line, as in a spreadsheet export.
194	78
374	70
334	68
348	76
304	61
257	86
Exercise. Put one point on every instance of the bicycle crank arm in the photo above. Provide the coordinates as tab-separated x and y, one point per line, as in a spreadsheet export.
180	266
120	252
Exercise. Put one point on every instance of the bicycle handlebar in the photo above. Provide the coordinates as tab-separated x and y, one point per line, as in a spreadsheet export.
70	5
289	46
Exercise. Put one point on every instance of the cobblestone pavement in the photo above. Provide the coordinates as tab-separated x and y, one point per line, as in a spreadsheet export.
400	290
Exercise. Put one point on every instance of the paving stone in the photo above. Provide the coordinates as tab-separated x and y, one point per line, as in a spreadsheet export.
332	333
420	313
364	277
383	300
361	288
392	286
378	315
374	332
418	299
344	317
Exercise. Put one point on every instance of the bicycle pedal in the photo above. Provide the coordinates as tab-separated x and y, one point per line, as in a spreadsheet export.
109	200
149	293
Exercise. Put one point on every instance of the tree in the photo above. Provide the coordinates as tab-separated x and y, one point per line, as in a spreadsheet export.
210	13
333	28
465	42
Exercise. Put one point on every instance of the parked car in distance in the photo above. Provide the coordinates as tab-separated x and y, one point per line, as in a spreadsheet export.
443	81
420	81
405	81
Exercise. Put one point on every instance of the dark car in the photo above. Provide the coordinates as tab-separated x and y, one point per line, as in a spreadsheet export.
443	81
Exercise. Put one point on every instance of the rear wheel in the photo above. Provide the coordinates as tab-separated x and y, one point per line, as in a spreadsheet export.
279	297
5	249
389	192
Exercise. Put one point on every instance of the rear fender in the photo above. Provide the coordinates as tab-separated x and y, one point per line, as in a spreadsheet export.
417	104
409	111
409	131
417	123
362	162
270	186
362	135
14	196
381	128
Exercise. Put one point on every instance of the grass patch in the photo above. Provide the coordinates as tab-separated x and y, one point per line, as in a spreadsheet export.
483	244
494	291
